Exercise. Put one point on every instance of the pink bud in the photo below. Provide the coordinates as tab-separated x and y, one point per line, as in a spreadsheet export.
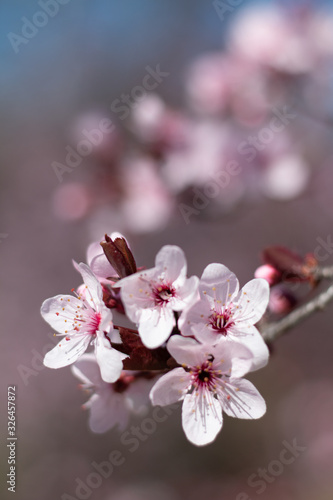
281	301
269	273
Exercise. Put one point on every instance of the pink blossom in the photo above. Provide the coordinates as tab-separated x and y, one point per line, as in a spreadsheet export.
147	204
208	382
286	177
82	320
150	297
110	405
223	312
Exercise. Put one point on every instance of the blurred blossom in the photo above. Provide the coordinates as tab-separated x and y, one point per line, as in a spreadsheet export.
110	405
209	83
147	205
281	300
98	129
71	201
203	156
219	82
267	36
320	33
244	103
158	126
285	178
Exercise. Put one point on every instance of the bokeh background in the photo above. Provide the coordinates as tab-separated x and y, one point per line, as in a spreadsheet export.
228	72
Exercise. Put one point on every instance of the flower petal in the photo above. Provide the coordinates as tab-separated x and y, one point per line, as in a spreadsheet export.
252	339
107	410
201	422
155	326
101	267
52	311
215	274
170	387
186	294
253	299
135	291
93	250
197	315
67	351
233	358
245	401
94	293
109	359
171	260
186	350
205	334
87	370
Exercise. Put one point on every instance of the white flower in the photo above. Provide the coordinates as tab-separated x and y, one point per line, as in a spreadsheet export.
110	405
150	297
225	313
209	382
82	320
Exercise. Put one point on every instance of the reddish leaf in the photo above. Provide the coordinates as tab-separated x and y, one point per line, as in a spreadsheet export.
119	256
291	265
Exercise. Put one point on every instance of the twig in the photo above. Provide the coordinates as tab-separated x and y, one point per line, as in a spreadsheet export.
274	330
323	273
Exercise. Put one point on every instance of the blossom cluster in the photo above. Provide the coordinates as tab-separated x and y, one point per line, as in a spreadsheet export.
195	340
234	138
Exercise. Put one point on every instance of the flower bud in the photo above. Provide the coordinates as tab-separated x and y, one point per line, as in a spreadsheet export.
269	273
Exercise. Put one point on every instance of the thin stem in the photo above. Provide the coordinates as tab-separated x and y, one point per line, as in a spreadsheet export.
274	330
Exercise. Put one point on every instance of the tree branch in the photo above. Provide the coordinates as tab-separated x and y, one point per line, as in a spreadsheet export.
275	330
323	273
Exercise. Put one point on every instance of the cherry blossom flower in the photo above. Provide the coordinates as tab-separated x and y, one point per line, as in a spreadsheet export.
208	382
286	178
224	313
150	297
110	405
82	320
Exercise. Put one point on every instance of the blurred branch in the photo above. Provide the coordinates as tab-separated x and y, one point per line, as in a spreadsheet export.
323	273
274	330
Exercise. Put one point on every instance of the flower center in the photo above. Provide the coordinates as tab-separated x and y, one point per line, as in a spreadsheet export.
221	321
94	322
88	321
163	293
204	377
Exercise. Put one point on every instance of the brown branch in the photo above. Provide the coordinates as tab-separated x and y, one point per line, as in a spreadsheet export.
274	330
